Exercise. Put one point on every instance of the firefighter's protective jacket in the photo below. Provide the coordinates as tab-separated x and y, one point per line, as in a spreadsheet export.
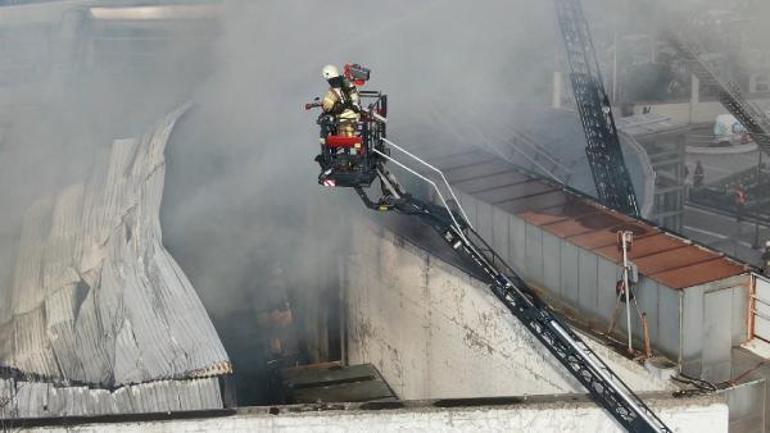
344	104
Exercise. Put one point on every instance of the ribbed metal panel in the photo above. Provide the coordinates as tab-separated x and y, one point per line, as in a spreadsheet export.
35	399
96	298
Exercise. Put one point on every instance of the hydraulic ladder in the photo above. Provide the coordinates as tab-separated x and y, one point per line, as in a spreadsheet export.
603	385
611	177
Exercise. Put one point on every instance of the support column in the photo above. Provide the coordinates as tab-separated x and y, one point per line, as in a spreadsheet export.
694	94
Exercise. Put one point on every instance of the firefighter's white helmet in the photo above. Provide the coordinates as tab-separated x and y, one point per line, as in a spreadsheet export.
329	72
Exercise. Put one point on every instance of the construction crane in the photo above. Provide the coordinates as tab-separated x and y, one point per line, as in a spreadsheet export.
356	161
611	177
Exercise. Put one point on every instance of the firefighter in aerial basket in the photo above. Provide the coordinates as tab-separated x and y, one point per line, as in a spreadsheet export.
341	101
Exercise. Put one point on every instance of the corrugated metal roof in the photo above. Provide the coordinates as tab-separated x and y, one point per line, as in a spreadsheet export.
700	273
653	243
45	400
102	243
661	256
476	169
490	181
542	201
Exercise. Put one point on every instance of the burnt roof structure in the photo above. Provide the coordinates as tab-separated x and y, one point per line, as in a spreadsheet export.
97	300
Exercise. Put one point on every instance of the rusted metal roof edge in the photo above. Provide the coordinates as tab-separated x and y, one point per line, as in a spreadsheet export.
486	175
654	228
503	186
523	197
674	268
612	242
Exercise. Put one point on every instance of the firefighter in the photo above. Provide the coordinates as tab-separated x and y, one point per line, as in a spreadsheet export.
620	291
341	100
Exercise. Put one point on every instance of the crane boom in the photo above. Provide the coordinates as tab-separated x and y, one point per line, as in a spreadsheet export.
611	177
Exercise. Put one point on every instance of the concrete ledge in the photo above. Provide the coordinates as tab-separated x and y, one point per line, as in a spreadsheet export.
732	150
544	414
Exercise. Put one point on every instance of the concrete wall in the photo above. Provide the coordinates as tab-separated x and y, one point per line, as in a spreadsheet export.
703	415
434	332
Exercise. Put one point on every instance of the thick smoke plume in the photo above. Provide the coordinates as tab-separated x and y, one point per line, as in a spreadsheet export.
243	213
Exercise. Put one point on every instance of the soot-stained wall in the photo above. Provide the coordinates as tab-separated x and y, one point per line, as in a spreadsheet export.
435	332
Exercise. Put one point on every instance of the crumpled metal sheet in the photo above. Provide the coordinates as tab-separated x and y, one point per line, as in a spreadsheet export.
20	399
96	298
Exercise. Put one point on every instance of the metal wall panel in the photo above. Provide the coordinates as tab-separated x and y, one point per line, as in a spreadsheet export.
647	295
668	319
717	335
551	263
517	238
570	273
607	275
740	305
499	239
692	330
484	220
469	205
587	281
534	254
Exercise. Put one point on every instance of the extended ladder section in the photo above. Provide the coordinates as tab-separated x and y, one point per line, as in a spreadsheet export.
604	386
729	92
613	182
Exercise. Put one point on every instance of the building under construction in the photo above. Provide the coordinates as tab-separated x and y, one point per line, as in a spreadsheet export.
171	263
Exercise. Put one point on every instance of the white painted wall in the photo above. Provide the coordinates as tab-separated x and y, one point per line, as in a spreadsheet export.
434	332
681	415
